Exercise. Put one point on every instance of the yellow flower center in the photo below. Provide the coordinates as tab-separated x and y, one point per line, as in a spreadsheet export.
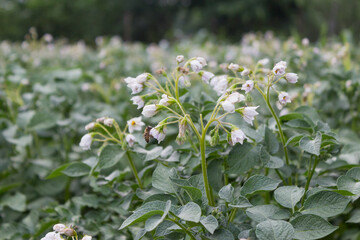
133	122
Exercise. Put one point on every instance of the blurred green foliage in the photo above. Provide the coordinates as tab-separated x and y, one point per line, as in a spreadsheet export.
152	20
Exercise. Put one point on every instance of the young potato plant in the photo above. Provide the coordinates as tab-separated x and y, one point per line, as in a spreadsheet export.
238	170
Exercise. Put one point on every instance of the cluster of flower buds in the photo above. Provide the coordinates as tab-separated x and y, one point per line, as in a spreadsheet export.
104	126
61	230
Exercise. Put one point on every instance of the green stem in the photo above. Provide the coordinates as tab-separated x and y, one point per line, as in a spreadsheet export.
133	168
204	165
232	214
183	228
282	137
309	178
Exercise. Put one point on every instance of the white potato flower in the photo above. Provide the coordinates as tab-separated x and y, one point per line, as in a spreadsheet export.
249	114
284	98
207	76
196	66
237	136
165	101
85	142
135	124
109	122
235	97
234	67
158	135
149	110
279	68
130	139
90	126
291	77
228	106
138	101
180	58
248	86
245	72
219	84
59	227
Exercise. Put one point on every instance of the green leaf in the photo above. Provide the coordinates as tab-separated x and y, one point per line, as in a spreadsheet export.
311	227
58	172
190	212
274	230
161	179
242	158
309	113
192	191
89	200
274	162
226	193
355	217
264	212
240	202
299	124
272	144
210	223
294	139
354	173
222	234
311	146
258	183
42	120
77	169
16	202
288	196
155	220
349	184
144	212
110	156
325	204
291	116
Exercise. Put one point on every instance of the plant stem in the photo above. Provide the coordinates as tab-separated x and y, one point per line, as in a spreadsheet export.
282	137
204	169
309	178
232	214
133	168
183	228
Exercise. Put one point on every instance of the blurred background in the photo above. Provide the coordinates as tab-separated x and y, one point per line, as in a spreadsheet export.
153	20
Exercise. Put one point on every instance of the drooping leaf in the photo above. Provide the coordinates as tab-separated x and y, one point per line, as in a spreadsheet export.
311	146
311	227
161	179
288	196
154	221
274	230
261	213
226	193
145	211
190	212
259	183
110	156
210	223
325	204
77	169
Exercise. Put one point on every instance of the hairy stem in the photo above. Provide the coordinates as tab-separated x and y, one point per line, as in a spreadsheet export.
133	168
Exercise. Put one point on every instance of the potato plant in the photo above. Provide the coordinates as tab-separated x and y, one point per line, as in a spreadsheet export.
251	141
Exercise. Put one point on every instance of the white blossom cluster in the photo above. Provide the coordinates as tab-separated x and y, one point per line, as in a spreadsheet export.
61	230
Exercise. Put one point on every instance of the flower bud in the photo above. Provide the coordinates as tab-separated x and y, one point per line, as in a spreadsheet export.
196	66
180	58
87	237
234	67
149	110
214	137
86	141
109	122
90	126
59	228
291	77
69	232
180	139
